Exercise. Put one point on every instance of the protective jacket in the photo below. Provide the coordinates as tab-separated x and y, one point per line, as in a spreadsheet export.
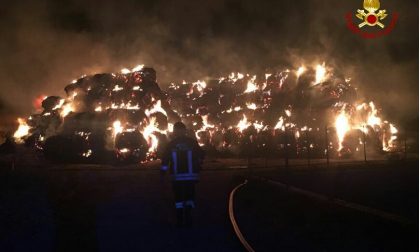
183	157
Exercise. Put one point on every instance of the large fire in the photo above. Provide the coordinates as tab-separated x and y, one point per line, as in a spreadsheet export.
364	117
342	127
133	113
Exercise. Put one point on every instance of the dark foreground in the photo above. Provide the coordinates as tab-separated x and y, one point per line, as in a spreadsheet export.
83	208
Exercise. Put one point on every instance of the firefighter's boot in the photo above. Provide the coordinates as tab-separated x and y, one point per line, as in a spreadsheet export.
188	216
180	217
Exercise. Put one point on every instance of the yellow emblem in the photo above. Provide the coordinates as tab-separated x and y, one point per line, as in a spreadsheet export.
372	17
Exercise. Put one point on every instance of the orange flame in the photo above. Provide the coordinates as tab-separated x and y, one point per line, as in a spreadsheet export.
342	126
22	131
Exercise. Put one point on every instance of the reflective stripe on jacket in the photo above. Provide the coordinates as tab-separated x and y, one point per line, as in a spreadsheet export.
183	155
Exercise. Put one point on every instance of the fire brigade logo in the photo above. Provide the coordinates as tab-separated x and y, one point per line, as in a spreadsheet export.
372	17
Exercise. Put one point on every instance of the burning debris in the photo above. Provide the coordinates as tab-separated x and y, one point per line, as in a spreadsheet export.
127	114
285	110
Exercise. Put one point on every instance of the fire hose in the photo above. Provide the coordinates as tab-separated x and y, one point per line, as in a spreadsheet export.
233	220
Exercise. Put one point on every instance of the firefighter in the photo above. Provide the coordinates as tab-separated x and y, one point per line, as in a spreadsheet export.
183	158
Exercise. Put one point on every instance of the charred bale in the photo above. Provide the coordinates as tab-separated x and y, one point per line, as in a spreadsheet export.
50	102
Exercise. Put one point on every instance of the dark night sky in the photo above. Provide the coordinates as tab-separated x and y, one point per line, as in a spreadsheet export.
45	44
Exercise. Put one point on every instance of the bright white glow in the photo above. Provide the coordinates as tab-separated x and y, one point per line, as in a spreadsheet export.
156	108
201	85
373	119
22	131
300	71
137	68
125	71
117	88
251	85
88	153
280	124
117	128
124	150
251	106
320	74
66	109
342	126
243	124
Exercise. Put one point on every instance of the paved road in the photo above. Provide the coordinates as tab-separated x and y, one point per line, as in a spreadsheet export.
129	209
388	186
110	211
272	219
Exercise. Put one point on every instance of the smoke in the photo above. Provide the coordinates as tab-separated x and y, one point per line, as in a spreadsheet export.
47	44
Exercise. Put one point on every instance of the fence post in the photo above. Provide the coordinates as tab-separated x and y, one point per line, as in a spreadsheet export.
286	148
405	146
327	145
308	147
364	142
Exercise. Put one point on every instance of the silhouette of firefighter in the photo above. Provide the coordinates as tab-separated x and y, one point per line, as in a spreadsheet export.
183	158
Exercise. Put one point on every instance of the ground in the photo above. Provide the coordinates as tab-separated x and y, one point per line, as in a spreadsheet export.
90	207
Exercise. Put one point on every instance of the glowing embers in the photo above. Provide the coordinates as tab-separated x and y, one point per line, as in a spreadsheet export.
149	131
135	69
130	146
242	101
138	141
87	154
233	77
251	106
235	109
157	107
251	85
65	107
224	112
103	113
206	127
280	124
392	137
200	85
149	134
243	124
117	88
128	106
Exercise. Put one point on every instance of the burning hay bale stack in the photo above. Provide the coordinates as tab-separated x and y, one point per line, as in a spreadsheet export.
104	116
294	113
126	116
